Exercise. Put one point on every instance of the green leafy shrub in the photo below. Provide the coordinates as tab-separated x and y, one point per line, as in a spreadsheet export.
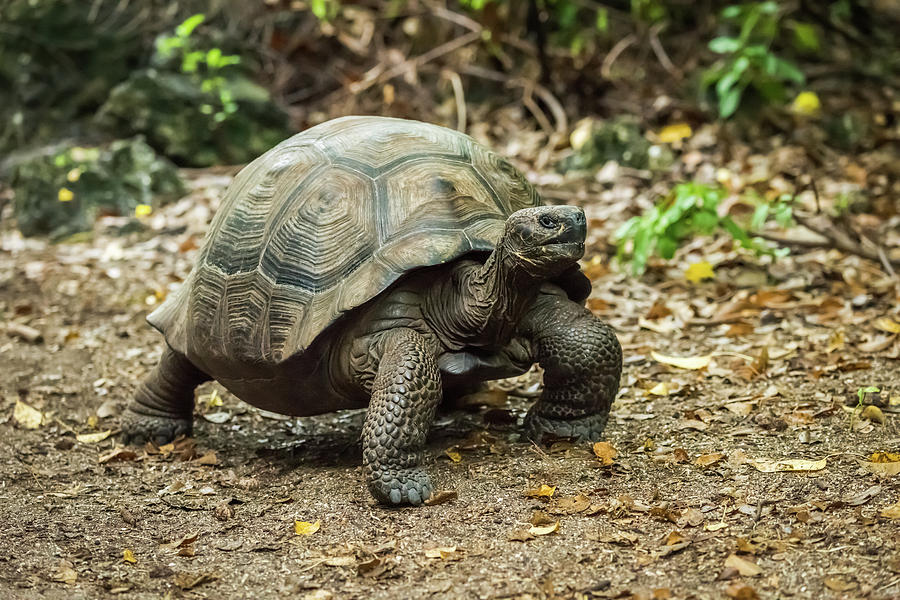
62	190
195	105
692	209
748	60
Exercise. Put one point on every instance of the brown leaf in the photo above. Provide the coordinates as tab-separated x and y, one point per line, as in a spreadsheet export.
744	567
184	540
441	497
740	591
539	518
207	459
65	572
864	496
673	538
187	581
691	517
706	460
570	505
118	454
519	535
838	584
680	455
605	452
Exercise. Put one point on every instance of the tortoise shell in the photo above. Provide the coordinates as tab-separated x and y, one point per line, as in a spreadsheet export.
326	221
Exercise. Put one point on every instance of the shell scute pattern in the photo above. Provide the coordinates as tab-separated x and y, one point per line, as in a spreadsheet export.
327	220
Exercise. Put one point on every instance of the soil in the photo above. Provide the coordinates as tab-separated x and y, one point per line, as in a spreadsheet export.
680	511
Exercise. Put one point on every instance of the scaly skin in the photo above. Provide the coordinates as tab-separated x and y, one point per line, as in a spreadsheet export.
162	409
582	362
405	393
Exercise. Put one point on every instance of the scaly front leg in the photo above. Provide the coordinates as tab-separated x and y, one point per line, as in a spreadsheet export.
405	393
582	362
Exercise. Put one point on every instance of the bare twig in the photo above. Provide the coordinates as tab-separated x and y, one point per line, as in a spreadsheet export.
660	52
412	63
459	95
842	241
614	53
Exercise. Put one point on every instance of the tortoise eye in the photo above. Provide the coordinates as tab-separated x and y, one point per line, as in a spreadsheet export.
547	221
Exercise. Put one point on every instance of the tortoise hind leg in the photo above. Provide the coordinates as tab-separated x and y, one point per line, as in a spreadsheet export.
163	406
405	393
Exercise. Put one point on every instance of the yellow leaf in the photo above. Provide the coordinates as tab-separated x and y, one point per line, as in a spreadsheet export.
26	416
545	491
806	103
93	438
715	526
65	195
674	133
142	210
581	134
605	452
73	175
767	465
887	324
873	413
698	271
885	457
544	529
305	528
128	556
453	455
685	362
214	399
885	469
660	389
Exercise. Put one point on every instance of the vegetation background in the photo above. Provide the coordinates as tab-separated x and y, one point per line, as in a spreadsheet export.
739	163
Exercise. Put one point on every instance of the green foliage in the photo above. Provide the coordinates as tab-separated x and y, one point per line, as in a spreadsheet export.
61	191
620	140
207	67
861	392
748	60
693	209
195	105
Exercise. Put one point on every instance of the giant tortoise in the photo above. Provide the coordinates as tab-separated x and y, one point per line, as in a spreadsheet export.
381	262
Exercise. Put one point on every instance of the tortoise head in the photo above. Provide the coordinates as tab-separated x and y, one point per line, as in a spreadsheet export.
545	240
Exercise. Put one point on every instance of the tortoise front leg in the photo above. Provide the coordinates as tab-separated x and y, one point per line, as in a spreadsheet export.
405	393
163	406
582	362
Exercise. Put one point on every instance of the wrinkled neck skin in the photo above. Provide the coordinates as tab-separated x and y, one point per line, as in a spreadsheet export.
480	305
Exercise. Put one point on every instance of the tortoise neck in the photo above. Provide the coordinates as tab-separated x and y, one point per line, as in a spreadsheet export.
492	299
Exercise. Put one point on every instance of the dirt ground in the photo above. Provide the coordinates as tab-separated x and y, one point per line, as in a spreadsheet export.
683	508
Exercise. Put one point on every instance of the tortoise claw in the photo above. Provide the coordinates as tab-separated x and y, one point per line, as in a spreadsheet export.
402	486
137	429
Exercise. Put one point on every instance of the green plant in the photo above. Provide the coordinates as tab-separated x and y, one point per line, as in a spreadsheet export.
692	209
208	67
748	60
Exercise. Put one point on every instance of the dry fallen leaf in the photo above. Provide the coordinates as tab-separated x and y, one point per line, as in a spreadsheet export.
887	324
605	452
698	271
27	416
743	566
93	438
705	460
441	496
187	581
444	553
453	454
767	465
519	535
674	133
838	584
890	512
544	529
545	491
741	591
682	362
306	528
65	572
873	413
661	389
118	454
128	556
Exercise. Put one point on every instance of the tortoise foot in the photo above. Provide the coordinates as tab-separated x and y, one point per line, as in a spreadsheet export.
396	487
138	429
588	428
